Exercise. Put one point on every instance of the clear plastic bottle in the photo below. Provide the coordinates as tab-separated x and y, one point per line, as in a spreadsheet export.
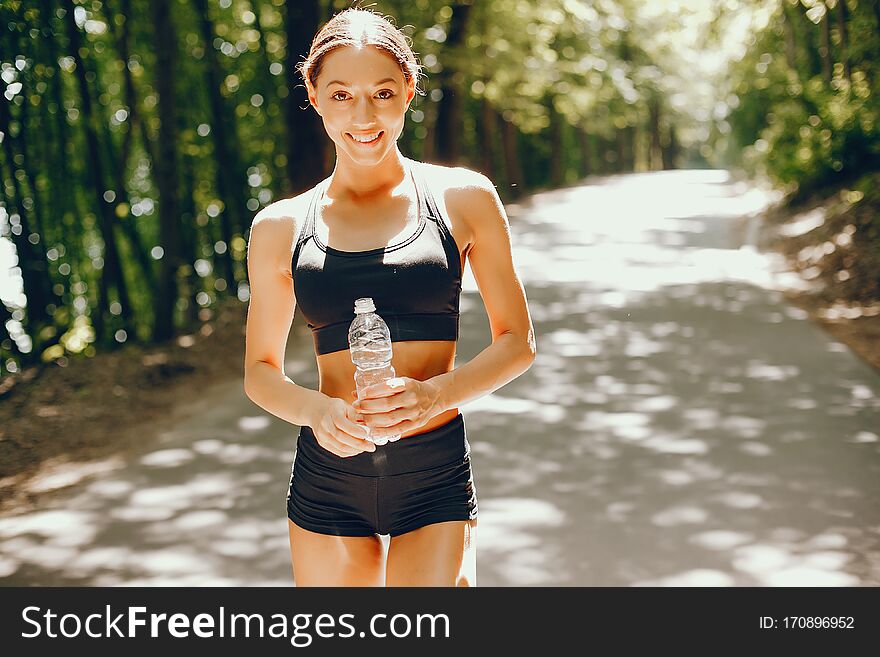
370	343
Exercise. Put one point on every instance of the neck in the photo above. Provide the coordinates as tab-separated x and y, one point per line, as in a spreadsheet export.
357	182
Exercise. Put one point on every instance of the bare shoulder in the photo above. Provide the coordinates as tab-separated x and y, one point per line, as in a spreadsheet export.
464	193
273	230
459	181
285	209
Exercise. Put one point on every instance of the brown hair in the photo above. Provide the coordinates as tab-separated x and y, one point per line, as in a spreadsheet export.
360	27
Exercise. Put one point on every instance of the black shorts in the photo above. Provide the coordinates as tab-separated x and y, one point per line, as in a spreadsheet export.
404	485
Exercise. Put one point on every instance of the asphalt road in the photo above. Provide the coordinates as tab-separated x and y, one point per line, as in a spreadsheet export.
681	426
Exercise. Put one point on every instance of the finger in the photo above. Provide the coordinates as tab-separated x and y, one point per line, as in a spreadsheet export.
354	423
358	431
356	444
339	437
394	430
335	447
389	387
349	451
341	449
355	438
381	405
386	419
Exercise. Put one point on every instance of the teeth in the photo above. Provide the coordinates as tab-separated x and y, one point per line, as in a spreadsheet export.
365	139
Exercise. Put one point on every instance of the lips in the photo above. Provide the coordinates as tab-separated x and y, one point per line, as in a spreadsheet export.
367	143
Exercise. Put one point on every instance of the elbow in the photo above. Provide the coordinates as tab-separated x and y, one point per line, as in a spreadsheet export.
527	347
248	384
256	379
531	346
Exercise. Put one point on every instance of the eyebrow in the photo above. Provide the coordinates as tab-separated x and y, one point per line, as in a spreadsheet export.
348	84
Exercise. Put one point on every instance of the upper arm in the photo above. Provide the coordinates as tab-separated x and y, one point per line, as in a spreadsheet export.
272	301
491	257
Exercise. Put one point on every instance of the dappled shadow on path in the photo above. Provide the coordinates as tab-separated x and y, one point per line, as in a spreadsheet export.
681	426
203	507
677	441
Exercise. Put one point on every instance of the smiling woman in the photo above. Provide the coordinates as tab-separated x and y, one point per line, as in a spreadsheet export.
399	231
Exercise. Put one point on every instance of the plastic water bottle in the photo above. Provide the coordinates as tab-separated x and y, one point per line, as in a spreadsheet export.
370	343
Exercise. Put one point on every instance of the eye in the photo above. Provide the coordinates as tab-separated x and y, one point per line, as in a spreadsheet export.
389	96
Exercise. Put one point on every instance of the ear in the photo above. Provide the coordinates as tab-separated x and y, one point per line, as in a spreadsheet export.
312	94
410	92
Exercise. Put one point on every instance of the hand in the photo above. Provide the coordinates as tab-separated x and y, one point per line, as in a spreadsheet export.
398	405
337	431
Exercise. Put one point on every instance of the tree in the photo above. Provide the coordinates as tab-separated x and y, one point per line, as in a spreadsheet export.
166	169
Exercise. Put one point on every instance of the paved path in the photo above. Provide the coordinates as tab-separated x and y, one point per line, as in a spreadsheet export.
682	425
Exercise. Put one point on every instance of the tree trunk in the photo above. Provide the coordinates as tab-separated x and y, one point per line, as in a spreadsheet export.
67	203
672	152
805	52
794	24
655	150
135	119
189	241
28	163
557	153
788	29
512	166
58	198
127	221
226	150
306	162
842	12
825	48
430	120
586	148
808	43
488	138
111	274
620	150
447	132
266	82
31	258
166	169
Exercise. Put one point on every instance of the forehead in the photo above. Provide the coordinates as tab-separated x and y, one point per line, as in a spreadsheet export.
365	65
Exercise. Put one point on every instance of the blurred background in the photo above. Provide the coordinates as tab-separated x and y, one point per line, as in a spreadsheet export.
140	138
692	185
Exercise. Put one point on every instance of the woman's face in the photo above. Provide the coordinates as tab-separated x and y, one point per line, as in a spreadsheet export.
362	93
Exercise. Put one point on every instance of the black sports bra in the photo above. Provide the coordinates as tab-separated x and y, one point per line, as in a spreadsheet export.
415	283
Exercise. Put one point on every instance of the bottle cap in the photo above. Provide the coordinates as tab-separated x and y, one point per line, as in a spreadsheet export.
364	305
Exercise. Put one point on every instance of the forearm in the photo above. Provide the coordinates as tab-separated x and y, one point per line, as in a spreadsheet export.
272	391
498	364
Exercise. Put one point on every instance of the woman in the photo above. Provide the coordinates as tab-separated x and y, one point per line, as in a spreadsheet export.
399	231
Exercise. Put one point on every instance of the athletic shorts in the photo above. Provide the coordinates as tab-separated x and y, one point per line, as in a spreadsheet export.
416	481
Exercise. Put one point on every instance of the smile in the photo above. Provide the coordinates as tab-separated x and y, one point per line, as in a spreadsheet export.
367	140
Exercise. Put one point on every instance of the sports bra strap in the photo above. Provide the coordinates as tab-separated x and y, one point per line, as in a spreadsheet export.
308	226
449	243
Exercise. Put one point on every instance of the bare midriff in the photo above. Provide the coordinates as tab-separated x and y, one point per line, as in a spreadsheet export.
416	359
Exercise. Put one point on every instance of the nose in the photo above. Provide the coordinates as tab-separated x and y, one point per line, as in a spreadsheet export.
363	113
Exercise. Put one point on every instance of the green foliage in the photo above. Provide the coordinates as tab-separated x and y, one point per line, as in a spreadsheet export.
571	87
796	127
